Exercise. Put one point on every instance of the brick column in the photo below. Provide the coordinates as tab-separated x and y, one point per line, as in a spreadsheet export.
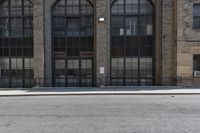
102	37
38	40
168	43
48	42
158	36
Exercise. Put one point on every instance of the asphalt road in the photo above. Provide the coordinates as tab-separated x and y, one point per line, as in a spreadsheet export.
100	114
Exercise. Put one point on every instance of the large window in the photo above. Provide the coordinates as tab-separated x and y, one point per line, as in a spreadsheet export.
16	43
73	43
132	42
196	16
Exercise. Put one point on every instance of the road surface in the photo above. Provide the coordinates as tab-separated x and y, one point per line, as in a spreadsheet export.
100	114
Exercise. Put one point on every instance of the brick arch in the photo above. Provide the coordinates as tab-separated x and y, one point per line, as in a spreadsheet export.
153	1
52	2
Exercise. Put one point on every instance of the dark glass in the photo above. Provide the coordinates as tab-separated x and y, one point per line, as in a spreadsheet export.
118	7
4	26
16	33
4	8
132	7
196	62
73	42
117	26
132	42
196	16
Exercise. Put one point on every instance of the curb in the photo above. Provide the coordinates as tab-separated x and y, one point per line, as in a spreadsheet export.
95	94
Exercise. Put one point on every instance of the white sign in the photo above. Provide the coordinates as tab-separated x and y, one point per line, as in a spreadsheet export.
149	30
121	31
102	70
101	19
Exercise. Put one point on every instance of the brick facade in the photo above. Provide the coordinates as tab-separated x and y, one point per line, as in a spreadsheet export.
188	42
175	40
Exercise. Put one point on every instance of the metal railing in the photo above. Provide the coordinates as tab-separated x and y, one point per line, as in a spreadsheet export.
95	82
16	83
103	81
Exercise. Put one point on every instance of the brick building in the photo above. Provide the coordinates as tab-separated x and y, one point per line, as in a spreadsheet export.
92	42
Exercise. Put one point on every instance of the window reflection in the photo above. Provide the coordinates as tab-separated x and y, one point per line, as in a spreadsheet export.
73	42
196	16
132	42
16	43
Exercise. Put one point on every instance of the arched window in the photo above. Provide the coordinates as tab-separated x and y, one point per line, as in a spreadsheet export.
16	43
132	38
73	47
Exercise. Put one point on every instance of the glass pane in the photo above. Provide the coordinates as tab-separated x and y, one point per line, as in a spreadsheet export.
59	72
4	24
59	8
73	64
86	64
28	63
59	26
86	7
146	65
16	63
86	72
117	46
196	22
6	63
131	67
118	7
196	10
16	7
86	26
4	9
132	46
60	64
73	27
117	67
132	6
146	7
117	27
28	8
73	7
131	26
28	27
146	25
196	63
146	45
16	27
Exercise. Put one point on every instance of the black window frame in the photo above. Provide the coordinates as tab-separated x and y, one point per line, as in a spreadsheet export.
17	44
196	17
196	59
72	45
133	37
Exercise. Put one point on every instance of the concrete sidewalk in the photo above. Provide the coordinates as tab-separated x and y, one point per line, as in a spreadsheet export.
100	91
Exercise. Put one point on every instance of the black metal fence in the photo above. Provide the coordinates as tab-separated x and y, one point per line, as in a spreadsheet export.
104	81
16	83
93	82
